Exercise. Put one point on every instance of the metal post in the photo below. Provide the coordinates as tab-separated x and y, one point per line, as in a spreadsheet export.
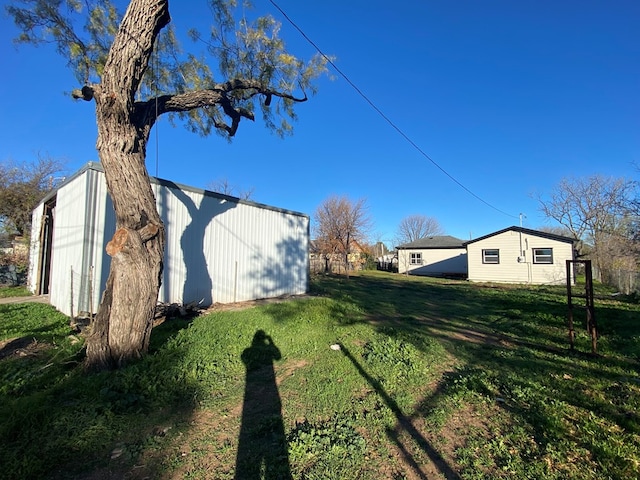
91	292
591	317
570	304
71	296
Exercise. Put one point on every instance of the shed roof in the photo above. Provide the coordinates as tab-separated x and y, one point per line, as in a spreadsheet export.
438	241
528	231
167	183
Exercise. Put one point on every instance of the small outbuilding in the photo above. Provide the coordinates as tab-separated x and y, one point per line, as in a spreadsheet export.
519	255
219	249
436	256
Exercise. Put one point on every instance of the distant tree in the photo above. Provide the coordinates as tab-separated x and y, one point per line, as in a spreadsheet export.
225	187
593	210
22	186
339	223
378	249
556	230
415	227
248	69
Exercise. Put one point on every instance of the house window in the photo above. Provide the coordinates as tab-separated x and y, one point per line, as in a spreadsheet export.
543	255
416	259
491	255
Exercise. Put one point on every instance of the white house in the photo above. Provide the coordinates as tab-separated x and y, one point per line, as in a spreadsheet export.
519	255
219	249
433	256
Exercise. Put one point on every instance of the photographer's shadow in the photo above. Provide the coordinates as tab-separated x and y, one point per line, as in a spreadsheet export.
262	447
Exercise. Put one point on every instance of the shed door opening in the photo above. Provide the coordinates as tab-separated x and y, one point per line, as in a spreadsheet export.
46	240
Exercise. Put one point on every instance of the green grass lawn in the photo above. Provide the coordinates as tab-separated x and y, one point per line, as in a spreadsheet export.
6	292
432	379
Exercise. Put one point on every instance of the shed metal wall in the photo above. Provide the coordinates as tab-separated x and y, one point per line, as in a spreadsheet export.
34	248
68	245
510	270
219	249
83	223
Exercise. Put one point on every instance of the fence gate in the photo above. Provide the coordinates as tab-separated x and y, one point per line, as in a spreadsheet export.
588	296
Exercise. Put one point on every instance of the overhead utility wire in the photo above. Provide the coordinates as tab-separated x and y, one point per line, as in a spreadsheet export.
388	120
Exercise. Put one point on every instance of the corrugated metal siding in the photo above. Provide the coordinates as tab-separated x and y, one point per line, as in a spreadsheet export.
68	246
509	270
34	248
83	223
100	229
218	249
221	251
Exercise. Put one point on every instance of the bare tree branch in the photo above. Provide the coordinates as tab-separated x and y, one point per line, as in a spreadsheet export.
339	223
415	227
595	210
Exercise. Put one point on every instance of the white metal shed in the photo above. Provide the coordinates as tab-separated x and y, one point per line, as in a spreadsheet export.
219	249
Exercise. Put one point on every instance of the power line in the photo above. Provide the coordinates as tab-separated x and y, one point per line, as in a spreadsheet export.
381	113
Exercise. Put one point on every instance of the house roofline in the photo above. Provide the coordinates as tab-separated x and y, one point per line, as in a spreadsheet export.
415	245
449	247
537	233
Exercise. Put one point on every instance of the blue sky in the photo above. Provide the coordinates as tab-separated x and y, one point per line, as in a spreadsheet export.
507	97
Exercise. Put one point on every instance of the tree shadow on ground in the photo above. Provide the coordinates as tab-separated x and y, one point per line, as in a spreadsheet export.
107	418
511	345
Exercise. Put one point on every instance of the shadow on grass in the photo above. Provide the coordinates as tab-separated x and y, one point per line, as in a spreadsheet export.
405	424
262	445
511	346
98	423
168	329
535	316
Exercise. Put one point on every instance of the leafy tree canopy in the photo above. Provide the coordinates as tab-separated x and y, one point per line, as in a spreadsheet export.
130	65
241	61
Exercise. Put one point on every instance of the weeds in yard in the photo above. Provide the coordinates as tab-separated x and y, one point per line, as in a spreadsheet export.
327	449
433	379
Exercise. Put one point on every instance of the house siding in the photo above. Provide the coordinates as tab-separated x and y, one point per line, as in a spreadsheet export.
510	270
219	249
435	262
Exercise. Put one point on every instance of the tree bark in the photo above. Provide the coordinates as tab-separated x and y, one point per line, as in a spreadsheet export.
122	327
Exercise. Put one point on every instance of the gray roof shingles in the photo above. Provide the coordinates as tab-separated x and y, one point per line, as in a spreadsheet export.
439	241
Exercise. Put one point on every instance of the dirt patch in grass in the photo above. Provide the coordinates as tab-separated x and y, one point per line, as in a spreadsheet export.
288	369
207	445
22	347
466	422
441	329
204	445
423	451
418	449
223	307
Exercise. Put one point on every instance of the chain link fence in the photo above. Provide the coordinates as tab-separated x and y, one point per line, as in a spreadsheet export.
626	281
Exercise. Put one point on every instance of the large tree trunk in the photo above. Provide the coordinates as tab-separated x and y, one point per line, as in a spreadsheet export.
122	327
